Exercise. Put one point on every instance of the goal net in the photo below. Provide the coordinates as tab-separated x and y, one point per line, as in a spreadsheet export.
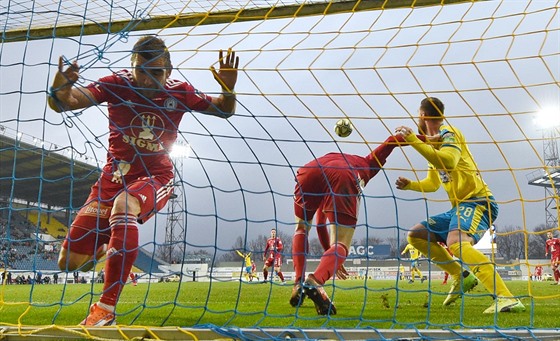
303	66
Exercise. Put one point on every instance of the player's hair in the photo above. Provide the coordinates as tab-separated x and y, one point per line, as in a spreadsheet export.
432	107
151	47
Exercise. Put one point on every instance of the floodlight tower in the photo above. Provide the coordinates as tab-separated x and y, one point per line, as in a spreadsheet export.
549	121
175	225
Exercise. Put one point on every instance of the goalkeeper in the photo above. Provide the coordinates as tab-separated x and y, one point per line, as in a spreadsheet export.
145	108
473	211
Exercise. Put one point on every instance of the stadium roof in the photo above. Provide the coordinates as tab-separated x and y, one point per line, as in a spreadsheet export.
549	179
36	175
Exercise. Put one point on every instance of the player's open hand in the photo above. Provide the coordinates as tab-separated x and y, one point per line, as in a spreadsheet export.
226	75
63	81
402	183
341	273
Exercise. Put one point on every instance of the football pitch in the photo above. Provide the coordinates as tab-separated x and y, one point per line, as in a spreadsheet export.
360	304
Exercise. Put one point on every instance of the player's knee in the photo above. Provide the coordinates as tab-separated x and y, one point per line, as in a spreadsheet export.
417	231
73	262
66	264
126	203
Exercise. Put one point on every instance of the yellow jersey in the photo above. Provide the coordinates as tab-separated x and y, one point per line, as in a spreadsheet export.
246	257
414	253
463	182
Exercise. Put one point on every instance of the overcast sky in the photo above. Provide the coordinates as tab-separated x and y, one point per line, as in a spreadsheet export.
297	77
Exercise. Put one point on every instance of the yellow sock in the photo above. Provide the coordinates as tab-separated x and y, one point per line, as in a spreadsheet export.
438	254
418	272
482	268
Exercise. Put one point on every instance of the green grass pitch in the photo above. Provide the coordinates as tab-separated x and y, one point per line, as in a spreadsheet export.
360	304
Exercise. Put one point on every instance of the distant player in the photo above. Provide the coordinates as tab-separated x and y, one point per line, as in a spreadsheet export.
538	273
133	278
248	264
273	256
253	271
446	276
414	255
401	272
552	246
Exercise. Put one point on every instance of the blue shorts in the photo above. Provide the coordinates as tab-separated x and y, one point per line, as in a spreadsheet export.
414	263
473	217
249	269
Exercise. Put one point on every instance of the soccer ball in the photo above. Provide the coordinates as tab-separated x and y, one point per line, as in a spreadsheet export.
343	127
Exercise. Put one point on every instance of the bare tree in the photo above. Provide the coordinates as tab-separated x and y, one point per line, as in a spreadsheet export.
231	255
537	242
511	241
371	241
394	243
315	247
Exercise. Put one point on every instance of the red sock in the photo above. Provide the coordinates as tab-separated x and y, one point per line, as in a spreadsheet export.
330	261
281	276
121	254
265	274
556	275
299	249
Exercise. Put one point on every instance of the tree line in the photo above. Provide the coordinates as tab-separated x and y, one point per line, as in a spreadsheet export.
513	242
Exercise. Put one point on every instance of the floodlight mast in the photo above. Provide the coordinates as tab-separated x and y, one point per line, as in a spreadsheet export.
548	120
173	249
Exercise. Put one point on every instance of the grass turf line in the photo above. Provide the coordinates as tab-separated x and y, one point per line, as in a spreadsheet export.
360	304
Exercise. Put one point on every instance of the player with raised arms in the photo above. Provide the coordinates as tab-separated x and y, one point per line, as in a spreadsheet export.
145	108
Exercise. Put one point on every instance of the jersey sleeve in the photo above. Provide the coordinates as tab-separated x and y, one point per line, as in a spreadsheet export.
193	99
101	89
429	184
446	157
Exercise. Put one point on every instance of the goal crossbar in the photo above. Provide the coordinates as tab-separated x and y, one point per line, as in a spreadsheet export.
211	18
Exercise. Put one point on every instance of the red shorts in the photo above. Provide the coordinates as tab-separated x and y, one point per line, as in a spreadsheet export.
335	188
277	261
90	228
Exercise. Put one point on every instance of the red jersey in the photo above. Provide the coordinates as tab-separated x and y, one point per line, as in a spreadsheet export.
141	130
344	175
552	246
538	270
274	246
